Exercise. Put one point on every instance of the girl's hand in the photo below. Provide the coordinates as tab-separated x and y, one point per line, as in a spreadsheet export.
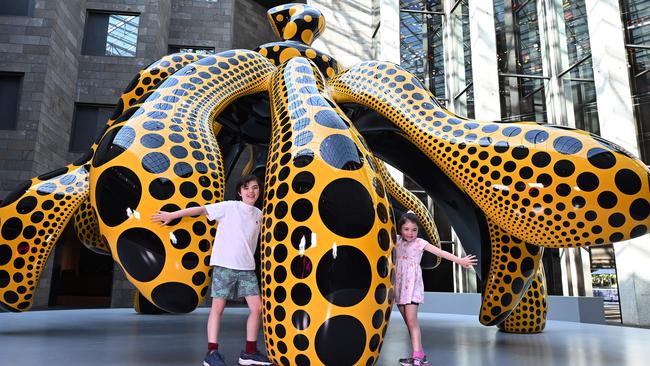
162	217
468	262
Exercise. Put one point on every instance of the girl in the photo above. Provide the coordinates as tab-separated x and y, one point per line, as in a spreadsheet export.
233	271
409	288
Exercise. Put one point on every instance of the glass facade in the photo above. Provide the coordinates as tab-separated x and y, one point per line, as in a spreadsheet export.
545	60
578	77
636	18
522	81
421	46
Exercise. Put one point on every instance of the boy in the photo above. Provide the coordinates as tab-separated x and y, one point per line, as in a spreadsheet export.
233	272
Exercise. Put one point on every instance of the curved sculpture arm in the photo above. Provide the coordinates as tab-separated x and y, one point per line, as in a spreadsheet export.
163	155
546	185
411	202
328	296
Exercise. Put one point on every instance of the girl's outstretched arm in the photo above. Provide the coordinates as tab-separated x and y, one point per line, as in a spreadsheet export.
164	217
466	262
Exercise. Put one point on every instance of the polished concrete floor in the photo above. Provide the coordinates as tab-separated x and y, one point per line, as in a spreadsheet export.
121	337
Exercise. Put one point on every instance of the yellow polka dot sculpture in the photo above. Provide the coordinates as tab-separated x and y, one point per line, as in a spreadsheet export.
318	135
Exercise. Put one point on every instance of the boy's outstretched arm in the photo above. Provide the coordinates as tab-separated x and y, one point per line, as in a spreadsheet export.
164	217
465	262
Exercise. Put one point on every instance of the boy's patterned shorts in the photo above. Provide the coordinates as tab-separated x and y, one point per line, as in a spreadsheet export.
232	284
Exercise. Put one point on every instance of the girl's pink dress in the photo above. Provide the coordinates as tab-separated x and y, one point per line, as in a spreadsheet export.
409	287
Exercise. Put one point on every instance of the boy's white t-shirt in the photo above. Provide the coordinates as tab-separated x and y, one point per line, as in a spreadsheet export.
236	239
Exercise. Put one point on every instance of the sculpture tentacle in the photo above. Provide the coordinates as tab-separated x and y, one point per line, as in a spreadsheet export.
513	266
411	202
530	315
326	299
547	185
32	218
87	228
164	152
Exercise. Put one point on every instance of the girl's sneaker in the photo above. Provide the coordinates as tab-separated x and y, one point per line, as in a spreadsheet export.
406	361
420	361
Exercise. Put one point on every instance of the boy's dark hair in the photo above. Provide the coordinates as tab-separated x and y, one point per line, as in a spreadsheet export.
409	216
244	181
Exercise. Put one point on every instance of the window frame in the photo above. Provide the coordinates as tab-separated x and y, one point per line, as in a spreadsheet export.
73	126
109	13
19	92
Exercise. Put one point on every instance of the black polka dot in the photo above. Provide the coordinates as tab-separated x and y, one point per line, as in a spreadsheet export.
183	239
601	158
155	162
190	260
279	274
383	239
352	217
11	228
281	210
5	278
541	159
340	340
616	219
607	199
175	297
301	342
564	168
183	170
115	142
380	293
303	158
588	181
567	145
179	152
638	231
331	119
640	209
301	266
188	190
152	140
520	152
117	182
10	297
141	254
300	294
26	205
280	231
627	181
344	280
300	319
536	136
301	210
5	254
340	152
303	182
280	253
161	188
280	294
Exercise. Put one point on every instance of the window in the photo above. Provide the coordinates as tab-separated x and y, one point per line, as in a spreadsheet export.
111	34
10	90
421	48
89	122
636	16
192	49
17	7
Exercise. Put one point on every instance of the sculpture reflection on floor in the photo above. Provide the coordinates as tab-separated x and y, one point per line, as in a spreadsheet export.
314	131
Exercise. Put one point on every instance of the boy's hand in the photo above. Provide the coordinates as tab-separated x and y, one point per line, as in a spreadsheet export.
468	262
162	217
